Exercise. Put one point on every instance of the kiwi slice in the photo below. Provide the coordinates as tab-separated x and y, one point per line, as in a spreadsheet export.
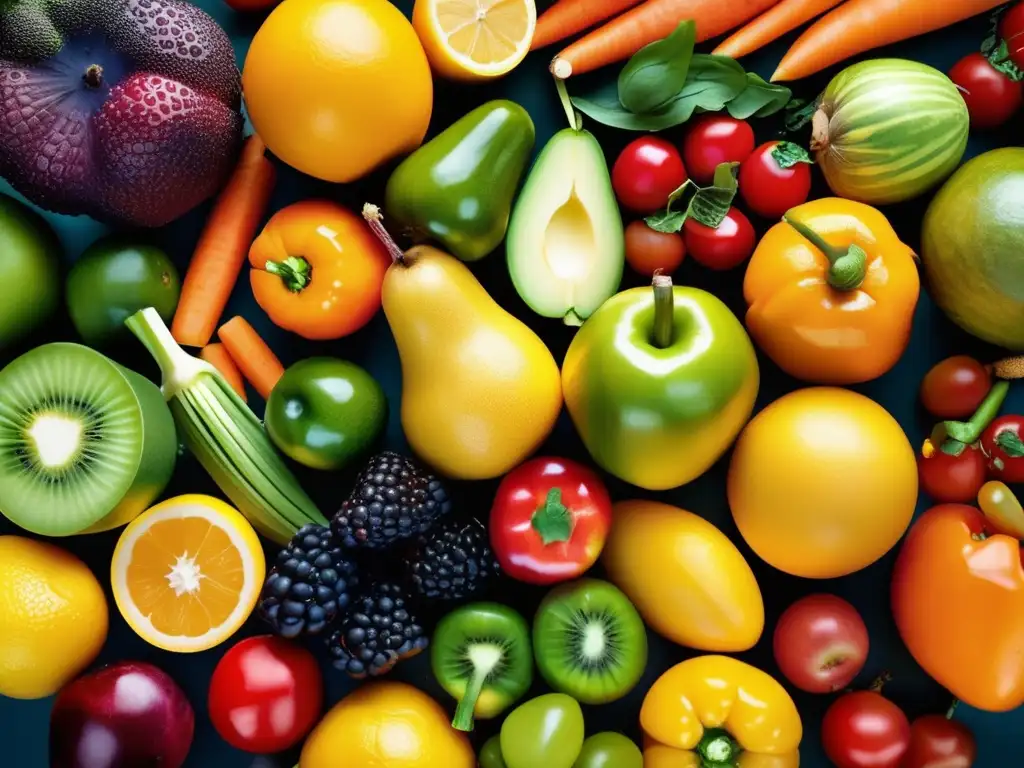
85	444
481	655
589	641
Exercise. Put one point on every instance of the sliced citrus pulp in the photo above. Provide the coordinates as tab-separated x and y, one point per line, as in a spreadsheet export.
187	573
475	39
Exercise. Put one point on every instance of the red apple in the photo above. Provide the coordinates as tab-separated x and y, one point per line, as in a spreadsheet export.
820	643
125	715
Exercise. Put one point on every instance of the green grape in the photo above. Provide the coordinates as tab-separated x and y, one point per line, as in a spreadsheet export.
545	731
609	750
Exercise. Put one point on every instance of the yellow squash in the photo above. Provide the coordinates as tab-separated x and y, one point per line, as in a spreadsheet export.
686	578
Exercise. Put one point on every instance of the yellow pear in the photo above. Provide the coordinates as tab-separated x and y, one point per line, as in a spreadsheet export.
480	390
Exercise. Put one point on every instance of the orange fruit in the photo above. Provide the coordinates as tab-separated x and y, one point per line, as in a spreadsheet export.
335	88
187	573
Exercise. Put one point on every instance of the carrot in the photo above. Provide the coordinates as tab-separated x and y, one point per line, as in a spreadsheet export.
567	17
860	25
258	364
655	19
771	25
224	246
217	356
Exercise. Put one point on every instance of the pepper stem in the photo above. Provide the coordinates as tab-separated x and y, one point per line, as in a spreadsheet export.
664	311
374	218
484	658
553	520
847	266
717	749
295	272
969	432
93	76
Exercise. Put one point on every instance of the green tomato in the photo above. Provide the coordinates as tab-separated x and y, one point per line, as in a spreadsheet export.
115	278
547	731
324	412
29	270
490	755
609	750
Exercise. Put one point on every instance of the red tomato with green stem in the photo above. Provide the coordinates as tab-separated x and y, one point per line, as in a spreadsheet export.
939	741
648	250
550	520
949	479
266	694
955	387
726	246
864	729
1011	29
775	178
647	171
991	96
1003	447
715	139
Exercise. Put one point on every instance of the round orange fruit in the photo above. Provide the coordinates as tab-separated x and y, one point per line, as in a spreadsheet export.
336	88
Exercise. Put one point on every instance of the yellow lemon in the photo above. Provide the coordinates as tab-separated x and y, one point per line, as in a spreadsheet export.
475	39
53	618
187	573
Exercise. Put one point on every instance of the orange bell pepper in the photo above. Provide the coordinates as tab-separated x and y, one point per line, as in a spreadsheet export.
831	293
317	270
958	600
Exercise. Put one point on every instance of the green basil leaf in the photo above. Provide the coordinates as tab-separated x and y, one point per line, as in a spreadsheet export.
787	154
759	99
603	106
710	205
657	71
712	82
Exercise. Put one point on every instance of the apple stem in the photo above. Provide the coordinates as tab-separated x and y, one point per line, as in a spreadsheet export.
664	310
93	76
374	218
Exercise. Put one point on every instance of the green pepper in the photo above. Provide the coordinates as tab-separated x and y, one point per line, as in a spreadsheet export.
481	655
323	412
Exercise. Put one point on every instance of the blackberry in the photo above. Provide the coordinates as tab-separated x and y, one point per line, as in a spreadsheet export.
309	586
377	633
394	499
453	561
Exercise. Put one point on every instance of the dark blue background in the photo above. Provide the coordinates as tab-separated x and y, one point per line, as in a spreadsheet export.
23	725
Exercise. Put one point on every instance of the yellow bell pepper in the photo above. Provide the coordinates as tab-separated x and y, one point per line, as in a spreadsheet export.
718	712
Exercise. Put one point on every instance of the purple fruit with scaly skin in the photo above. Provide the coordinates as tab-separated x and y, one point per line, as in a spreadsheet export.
124	110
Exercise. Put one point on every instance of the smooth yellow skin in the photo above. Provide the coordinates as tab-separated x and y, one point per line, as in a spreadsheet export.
660	756
481	391
721	692
53	618
386	724
823	482
686	578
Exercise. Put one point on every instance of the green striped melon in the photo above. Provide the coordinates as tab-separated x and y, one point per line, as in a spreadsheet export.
888	130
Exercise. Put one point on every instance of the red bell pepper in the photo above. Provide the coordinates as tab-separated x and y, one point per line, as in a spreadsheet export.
550	520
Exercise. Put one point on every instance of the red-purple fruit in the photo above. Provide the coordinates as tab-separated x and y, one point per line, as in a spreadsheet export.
126	715
123	110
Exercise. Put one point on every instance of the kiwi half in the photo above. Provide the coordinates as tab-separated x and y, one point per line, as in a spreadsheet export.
85	444
589	641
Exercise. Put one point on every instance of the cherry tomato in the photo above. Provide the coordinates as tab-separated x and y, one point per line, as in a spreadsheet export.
1003	445
949	479
936	741
266	695
726	247
955	387
820	643
865	730
991	97
648	250
713	140
646	173
775	178
1011	28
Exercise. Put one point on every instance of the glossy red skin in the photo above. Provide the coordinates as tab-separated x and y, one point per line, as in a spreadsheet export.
1009	469
948	479
648	251
938	742
122	716
991	97
726	247
1012	30
266	694
647	171
770	190
519	548
954	388
864	729
713	140
820	643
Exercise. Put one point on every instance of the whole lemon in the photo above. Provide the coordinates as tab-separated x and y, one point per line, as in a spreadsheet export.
386	724
53	618
335	88
822	483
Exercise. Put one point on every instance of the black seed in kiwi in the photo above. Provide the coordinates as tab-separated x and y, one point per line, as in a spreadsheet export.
85	444
589	641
